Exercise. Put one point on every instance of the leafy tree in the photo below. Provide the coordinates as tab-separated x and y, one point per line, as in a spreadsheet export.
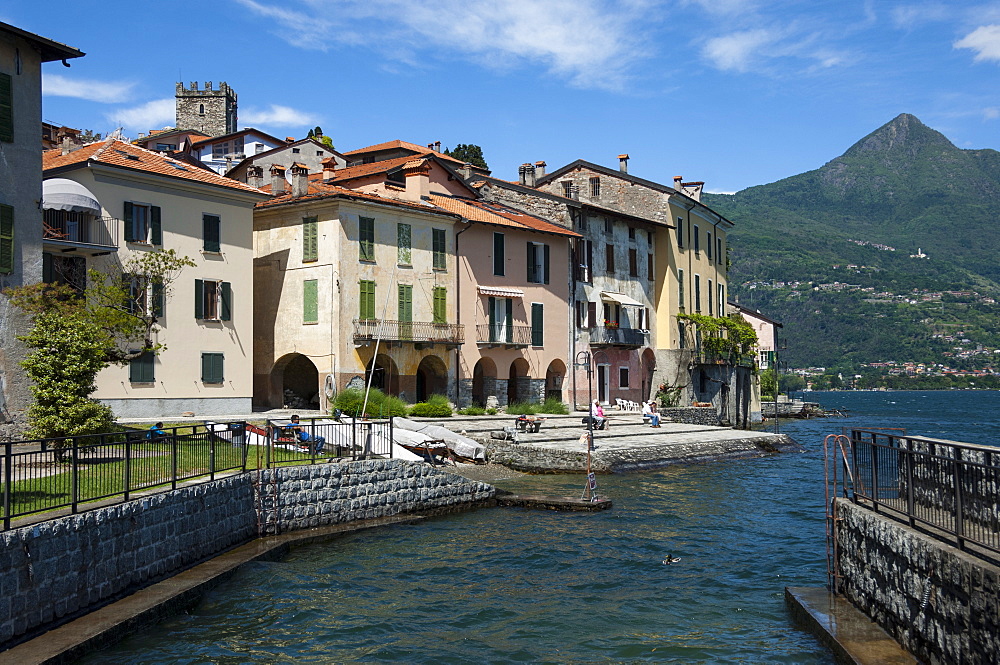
468	152
768	384
74	336
89	136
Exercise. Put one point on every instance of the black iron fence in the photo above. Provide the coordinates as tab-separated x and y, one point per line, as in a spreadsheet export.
952	487
84	472
503	333
613	336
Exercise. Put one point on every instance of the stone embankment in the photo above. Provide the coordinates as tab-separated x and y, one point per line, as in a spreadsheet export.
629	445
57	570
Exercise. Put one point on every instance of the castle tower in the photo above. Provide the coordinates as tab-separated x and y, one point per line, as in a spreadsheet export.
210	111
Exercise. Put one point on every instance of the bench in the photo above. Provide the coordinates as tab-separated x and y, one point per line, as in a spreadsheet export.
528	424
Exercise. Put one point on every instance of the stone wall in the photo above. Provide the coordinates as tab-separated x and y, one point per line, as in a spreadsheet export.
940	603
690	415
63	568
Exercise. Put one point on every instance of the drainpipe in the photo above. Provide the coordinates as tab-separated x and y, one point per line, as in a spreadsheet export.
458	312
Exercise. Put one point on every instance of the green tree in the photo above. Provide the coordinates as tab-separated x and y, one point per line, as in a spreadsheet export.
468	152
768	384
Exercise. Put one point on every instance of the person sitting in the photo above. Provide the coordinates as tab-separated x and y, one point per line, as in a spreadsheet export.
156	432
649	411
306	437
597	416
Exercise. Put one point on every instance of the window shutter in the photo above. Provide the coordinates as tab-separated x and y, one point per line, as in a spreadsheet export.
498	254
491	314
159	299
7	239
439	242
537	325
135	370
366	238
310	239
590	261
367	304
156	230
129	237
226	298
212	367
199	299
310	301
213	232
647	321
47	275
440	305
591	314
545	264
6	109
403	235
405	302
509	320
532	277
141	369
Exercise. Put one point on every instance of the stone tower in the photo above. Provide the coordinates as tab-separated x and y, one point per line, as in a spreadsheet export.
210	111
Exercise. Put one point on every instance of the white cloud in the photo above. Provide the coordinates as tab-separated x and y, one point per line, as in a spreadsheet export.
590	42
991	113
984	40
282	116
914	15
151	115
111	92
739	50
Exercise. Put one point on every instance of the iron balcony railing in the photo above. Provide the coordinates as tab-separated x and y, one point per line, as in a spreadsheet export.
84	230
501	333
613	336
952	487
408	331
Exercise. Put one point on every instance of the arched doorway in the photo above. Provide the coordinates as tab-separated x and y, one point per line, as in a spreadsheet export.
518	381
295	380
484	381
385	376
648	361
554	377
432	378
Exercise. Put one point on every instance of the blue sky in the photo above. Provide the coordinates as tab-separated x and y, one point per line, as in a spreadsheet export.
733	92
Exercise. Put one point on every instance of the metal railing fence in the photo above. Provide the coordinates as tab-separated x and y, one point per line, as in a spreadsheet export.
348	440
952	487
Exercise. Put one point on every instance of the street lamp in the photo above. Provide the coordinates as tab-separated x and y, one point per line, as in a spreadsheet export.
583	359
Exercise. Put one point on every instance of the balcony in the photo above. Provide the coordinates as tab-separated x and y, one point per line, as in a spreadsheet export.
614	336
499	334
418	332
80	232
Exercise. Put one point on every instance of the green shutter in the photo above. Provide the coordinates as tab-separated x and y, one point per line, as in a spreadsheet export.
310	301
141	369
226	299
536	324
129	231
403	235
492	314
545	264
199	299
211	225
440	247
212	368
532	253
498	254
367	300
159	299
156	230
6	109
509	320
6	239
440	304
310	239
366	238
405	302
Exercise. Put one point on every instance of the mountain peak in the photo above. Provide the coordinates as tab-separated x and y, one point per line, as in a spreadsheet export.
904	133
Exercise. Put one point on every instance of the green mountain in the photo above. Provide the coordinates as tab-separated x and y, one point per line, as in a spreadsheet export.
857	221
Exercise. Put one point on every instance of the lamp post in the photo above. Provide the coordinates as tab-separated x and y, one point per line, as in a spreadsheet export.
583	359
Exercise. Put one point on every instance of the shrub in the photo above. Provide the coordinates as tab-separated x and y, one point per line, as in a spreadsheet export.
380	405
472	410
491	411
436	406
553	405
522	409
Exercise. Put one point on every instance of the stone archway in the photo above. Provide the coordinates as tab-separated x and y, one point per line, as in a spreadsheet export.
648	363
295	383
484	381
555	375
385	376
432	378
518	382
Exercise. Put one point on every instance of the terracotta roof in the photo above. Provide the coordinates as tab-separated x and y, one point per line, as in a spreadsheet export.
318	190
494	213
406	145
363	170
113	152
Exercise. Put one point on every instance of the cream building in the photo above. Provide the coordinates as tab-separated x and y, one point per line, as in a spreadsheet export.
110	200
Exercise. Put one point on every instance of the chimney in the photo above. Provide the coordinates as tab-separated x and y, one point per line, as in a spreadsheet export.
255	176
623	163
466	170
289	139
417	180
437	146
540	169
277	179
329	168
300	179
66	145
677	183
142	135
526	174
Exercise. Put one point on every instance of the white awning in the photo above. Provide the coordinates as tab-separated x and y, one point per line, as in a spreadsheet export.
68	195
620	298
499	291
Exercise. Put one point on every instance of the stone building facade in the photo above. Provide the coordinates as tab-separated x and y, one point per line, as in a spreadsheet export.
212	111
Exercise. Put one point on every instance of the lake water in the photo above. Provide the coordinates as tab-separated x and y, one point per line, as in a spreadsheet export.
516	586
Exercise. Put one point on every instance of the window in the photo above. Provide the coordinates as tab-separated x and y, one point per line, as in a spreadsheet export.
649	267
310	301
440	304
537	324
631	233
649	237
211	368
680	289
6	239
591	314
201	109
538	263
609	226
623	377
581	314
501	317
137	296
709	294
166	147
366	300
696	237
718	248
680	232
612	315
6	109
319	153
584	260
439	243
159	300
609	259
633	262
213	300
595	188
567	186
498	254
708	245
697	293
258	148
310	239
141	368
403	248
296	151
579	219
212	225
142	223
397	177
366	238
